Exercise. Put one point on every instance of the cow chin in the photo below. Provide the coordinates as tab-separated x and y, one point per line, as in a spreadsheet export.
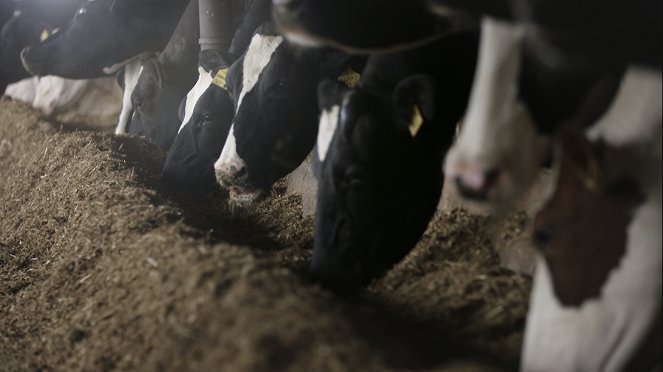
240	195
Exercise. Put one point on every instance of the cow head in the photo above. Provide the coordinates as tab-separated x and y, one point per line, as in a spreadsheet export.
377	160
155	101
516	104
101	35
274	125
588	199
275	122
206	114
596	297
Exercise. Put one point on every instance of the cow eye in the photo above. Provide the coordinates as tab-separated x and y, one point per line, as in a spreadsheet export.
205	119
137	103
542	237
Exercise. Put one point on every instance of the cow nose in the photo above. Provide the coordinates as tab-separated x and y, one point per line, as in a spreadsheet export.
231	174
476	184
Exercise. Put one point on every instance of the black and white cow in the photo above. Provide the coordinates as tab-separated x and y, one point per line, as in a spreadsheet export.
378	157
517	103
31	21
207	112
163	82
596	298
102	35
275	122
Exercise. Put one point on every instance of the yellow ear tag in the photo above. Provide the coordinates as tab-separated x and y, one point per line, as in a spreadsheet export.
44	35
220	78
417	121
349	77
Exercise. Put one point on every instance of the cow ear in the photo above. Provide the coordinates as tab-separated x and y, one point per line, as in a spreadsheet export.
414	98
351	109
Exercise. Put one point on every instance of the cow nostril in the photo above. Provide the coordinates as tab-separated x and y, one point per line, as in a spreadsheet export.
490	178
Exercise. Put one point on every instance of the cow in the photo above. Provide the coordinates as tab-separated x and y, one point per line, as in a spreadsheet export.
208	109
162	82
274	127
596	296
378	157
58	97
517	103
101	35
31	21
363	26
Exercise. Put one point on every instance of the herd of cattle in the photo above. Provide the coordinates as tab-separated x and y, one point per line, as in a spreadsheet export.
374	89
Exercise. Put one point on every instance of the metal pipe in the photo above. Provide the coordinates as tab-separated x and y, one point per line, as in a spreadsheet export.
215	24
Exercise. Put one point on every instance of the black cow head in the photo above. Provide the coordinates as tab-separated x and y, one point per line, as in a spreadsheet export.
102	34
156	99
206	115
379	181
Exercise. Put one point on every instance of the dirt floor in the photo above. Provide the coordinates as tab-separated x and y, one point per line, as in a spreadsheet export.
102	268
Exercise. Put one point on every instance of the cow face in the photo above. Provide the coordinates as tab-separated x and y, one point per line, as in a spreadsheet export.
155	101
596	297
206	113
275	123
110	31
358	26
256	118
516	103
378	180
586	199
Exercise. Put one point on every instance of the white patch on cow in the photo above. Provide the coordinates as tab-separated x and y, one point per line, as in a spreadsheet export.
256	58
23	90
603	334
498	133
55	92
328	123
132	72
203	83
79	99
229	163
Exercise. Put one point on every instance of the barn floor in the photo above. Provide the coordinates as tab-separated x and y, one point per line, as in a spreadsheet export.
101	268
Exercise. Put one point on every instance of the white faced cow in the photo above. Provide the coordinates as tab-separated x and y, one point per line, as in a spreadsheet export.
516	104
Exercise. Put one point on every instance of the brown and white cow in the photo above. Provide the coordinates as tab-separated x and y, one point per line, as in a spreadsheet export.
596	299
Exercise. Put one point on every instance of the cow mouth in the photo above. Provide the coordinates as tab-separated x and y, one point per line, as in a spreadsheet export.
240	189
